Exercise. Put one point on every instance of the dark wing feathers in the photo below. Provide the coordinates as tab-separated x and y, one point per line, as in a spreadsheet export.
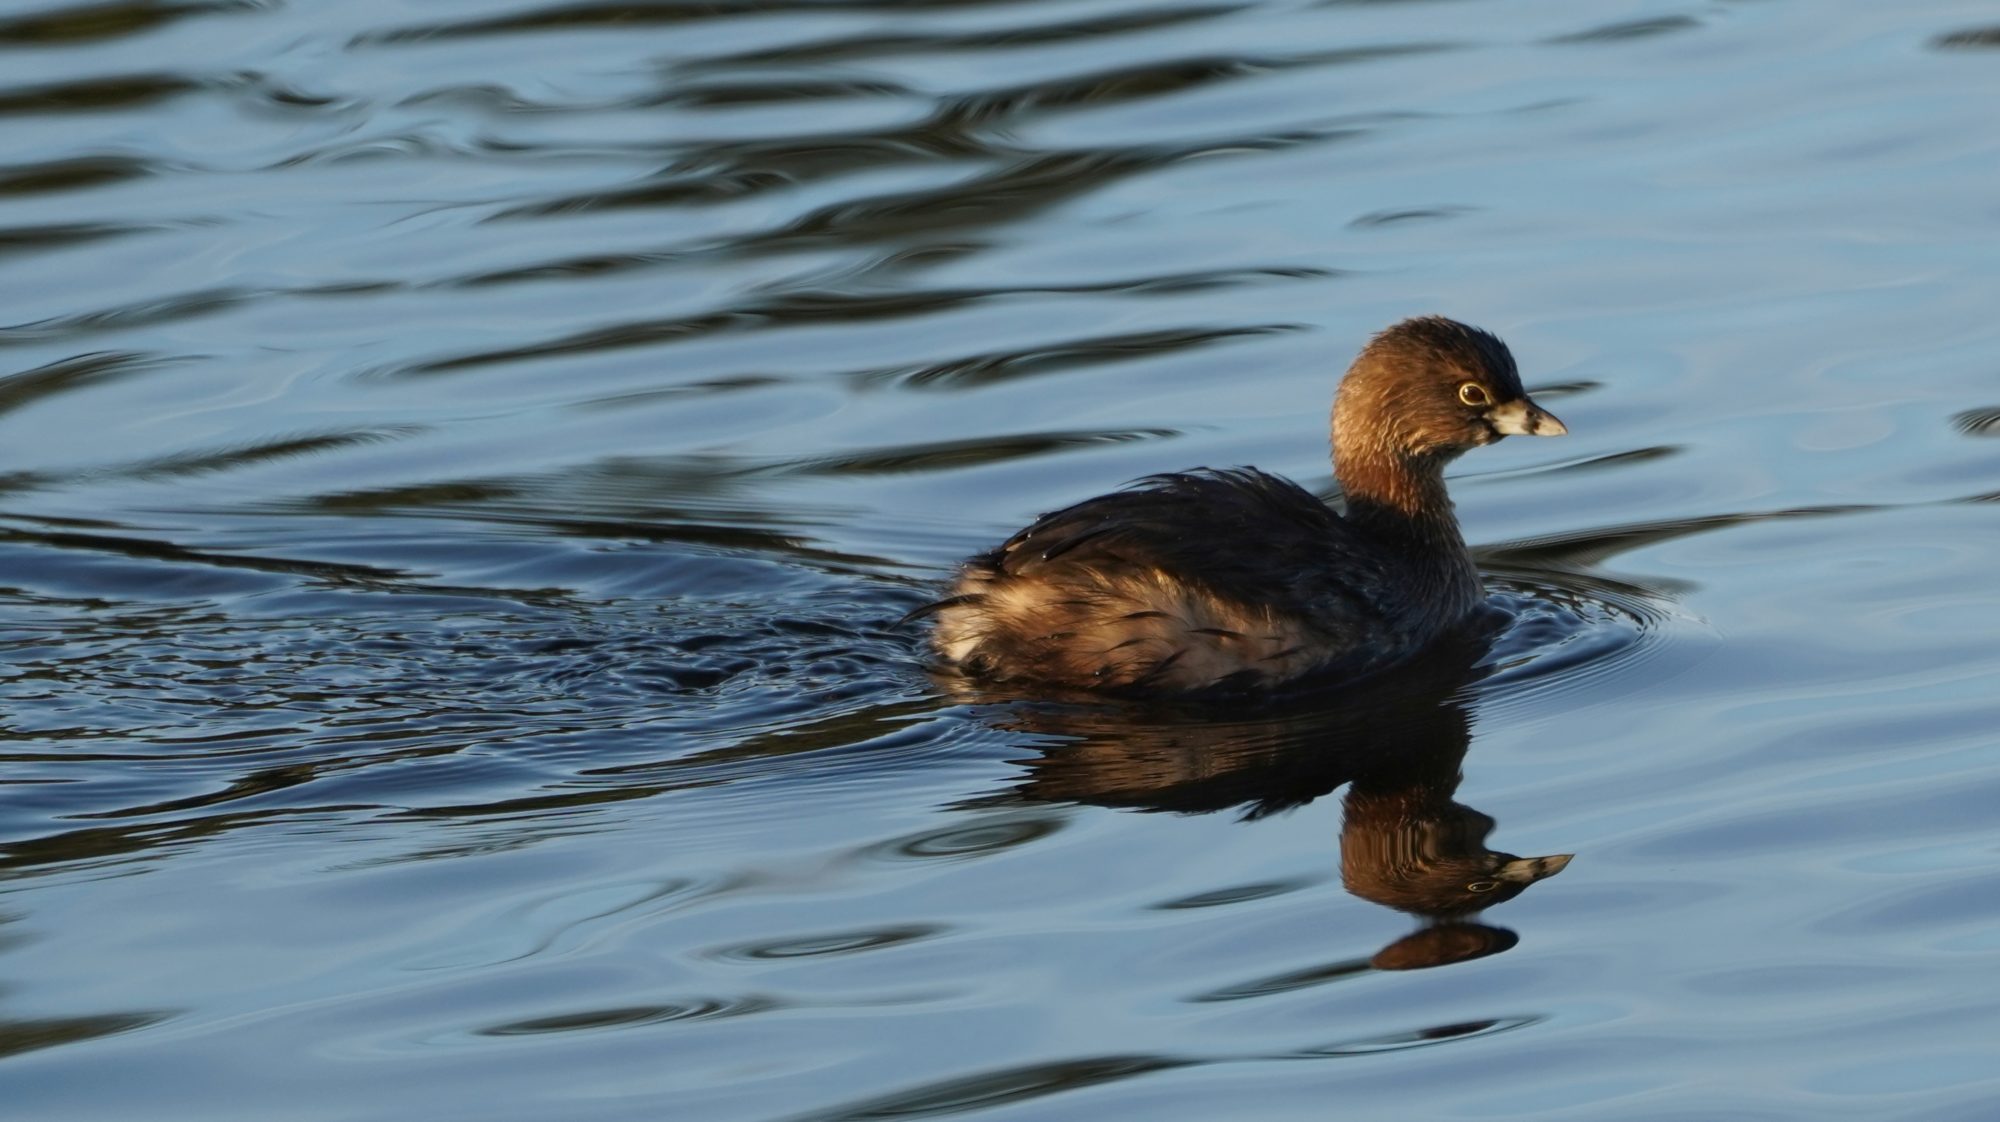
1176	507
1242	533
1237	529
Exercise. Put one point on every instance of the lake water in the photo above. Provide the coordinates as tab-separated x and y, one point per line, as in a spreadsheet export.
462	464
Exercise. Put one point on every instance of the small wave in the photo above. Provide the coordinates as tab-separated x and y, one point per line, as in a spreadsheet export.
22	240
963	1094
78	173
70	375
964	841
1568	634
98	22
633	1016
1971	38
976	371
1629	30
1979	422
19	1035
833	943
1237	894
93	95
974	452
147	313
1419	1038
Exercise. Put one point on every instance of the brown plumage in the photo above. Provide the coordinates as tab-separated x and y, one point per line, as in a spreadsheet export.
1211	581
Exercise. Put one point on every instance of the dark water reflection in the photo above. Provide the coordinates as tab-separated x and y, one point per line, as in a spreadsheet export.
1398	744
462	467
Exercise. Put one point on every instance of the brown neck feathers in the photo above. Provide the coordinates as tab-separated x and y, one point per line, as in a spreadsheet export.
1414	490
1377	470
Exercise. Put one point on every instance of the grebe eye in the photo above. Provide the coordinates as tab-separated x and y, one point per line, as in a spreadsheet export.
1475	395
1482	886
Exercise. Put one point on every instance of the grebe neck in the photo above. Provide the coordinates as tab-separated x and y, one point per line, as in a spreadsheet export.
1399	498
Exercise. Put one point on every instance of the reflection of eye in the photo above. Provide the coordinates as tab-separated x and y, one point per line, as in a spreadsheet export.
1482	886
1474	394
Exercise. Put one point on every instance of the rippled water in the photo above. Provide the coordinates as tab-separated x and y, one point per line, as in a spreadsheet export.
462	466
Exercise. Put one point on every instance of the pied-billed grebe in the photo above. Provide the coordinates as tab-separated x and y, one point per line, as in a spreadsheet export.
1238	580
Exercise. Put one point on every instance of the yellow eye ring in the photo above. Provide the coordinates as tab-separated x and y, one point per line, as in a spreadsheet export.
1482	886
1475	395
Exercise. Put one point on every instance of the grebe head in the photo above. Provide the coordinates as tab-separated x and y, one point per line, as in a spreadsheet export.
1429	388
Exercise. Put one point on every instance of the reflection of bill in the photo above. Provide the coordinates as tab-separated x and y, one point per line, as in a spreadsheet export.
1397	741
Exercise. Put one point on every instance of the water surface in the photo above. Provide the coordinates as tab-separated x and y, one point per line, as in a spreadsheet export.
462	466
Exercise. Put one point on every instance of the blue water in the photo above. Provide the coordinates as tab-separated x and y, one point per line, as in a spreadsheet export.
462	466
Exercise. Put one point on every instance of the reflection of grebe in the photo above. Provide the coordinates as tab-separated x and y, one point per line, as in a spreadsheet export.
1238	580
1404	841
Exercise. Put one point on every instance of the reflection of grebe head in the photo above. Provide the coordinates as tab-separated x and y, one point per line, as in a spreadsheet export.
1415	850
